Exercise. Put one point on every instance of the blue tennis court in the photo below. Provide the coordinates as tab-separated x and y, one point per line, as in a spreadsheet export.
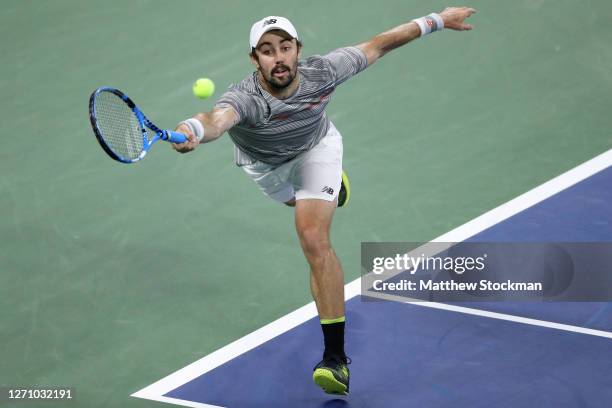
411	354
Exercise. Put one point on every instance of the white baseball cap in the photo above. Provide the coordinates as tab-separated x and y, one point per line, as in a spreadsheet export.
271	23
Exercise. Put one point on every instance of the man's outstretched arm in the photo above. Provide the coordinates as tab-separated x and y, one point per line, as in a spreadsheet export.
453	18
214	124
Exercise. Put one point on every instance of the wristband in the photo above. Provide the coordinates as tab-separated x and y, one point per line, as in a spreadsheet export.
195	126
430	23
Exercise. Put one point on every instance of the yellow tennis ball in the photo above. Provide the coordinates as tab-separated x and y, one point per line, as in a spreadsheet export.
203	88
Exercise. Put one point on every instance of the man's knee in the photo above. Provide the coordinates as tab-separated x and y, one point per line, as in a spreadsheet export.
314	240
312	222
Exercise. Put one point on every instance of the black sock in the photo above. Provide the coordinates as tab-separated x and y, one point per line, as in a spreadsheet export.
333	336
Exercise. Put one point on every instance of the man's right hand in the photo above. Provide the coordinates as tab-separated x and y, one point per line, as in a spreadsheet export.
189	145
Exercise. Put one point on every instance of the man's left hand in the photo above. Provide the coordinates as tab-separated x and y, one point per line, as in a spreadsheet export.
454	18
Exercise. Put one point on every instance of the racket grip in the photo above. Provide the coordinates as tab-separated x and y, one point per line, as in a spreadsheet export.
175	137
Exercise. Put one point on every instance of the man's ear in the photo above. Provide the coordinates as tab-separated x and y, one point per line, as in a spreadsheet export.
254	59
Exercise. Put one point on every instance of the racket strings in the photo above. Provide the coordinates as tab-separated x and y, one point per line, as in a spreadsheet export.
118	126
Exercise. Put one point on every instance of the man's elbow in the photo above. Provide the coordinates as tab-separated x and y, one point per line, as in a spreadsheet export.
371	51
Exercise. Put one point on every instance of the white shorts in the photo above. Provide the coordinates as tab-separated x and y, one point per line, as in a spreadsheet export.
315	174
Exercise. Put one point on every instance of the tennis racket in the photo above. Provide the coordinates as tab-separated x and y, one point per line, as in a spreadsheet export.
122	130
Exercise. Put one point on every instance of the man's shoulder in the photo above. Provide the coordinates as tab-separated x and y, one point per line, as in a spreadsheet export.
246	98
316	62
316	68
337	59
247	86
325	60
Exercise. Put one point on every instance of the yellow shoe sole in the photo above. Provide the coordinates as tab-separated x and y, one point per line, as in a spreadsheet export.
326	380
347	187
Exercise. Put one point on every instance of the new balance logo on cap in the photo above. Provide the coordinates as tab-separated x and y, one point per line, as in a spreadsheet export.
270	21
328	190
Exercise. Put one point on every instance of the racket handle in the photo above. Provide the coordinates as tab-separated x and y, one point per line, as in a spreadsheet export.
175	137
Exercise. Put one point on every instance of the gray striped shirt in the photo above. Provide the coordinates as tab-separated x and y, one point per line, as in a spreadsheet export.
276	130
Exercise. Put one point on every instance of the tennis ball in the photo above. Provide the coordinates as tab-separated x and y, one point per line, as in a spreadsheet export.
203	88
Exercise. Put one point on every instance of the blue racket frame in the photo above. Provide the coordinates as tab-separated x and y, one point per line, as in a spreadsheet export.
160	134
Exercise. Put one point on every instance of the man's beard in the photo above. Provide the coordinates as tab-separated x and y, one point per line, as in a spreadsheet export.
280	83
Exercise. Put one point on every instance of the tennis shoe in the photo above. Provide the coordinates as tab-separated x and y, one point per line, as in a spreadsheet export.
345	191
332	375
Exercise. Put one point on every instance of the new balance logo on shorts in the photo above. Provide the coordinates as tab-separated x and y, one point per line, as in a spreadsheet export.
328	190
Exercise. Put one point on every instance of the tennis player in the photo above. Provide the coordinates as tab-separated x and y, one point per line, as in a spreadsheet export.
285	142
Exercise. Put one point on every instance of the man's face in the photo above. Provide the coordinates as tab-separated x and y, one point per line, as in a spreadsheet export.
277	58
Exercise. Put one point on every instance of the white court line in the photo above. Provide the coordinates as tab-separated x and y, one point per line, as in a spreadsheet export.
495	315
156	390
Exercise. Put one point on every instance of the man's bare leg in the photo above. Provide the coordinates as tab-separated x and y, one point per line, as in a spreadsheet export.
313	220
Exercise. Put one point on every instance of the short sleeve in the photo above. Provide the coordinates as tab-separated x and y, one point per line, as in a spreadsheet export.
249	108
346	62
